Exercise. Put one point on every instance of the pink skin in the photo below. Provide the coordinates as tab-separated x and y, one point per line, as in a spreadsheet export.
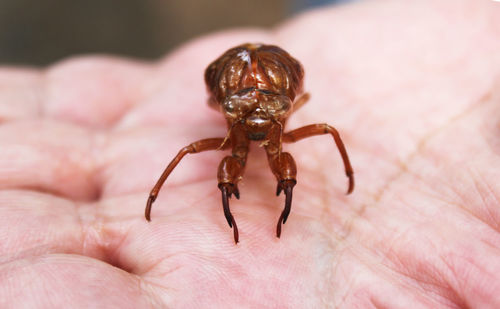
414	89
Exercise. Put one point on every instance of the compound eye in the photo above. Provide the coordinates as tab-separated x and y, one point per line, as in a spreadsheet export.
237	107
229	108
278	106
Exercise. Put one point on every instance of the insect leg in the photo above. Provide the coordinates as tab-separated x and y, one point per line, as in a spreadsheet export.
230	171
199	146
284	168
301	101
320	129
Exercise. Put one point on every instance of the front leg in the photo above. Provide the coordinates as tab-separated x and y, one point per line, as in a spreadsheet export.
231	171
199	146
284	169
319	129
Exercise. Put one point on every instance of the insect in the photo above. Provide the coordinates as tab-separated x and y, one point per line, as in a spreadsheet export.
256	87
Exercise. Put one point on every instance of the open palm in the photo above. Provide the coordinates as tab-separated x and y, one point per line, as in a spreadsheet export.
414	90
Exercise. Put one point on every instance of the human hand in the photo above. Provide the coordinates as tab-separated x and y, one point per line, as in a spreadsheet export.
412	88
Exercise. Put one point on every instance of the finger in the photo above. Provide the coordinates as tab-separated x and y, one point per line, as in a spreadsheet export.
93	91
35	223
56	278
20	93
50	157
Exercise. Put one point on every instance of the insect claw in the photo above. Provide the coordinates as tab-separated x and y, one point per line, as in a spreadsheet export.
236	192
351	183
235	232
226	190
278	189
149	204
287	185
225	205
288	202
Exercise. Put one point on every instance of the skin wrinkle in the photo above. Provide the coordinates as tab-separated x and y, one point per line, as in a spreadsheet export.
33	251
491	126
455	286
411	280
159	303
491	246
466	210
112	256
490	223
163	259
450	202
426	138
419	283
348	291
88	243
154	300
388	273
145	285
351	287
435	290
421	144
376	304
97	146
82	228
479	268
413	277
469	215
343	299
462	302
423	283
497	198
448	289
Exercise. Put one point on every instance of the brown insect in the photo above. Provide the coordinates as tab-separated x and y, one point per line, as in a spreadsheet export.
256	87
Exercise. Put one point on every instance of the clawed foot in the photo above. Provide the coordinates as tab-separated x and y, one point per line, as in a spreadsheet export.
227	190
149	204
351	182
286	186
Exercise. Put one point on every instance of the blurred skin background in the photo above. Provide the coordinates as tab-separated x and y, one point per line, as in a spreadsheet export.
42	32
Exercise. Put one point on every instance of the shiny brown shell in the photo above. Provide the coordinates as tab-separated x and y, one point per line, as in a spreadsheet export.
258	66
256	87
